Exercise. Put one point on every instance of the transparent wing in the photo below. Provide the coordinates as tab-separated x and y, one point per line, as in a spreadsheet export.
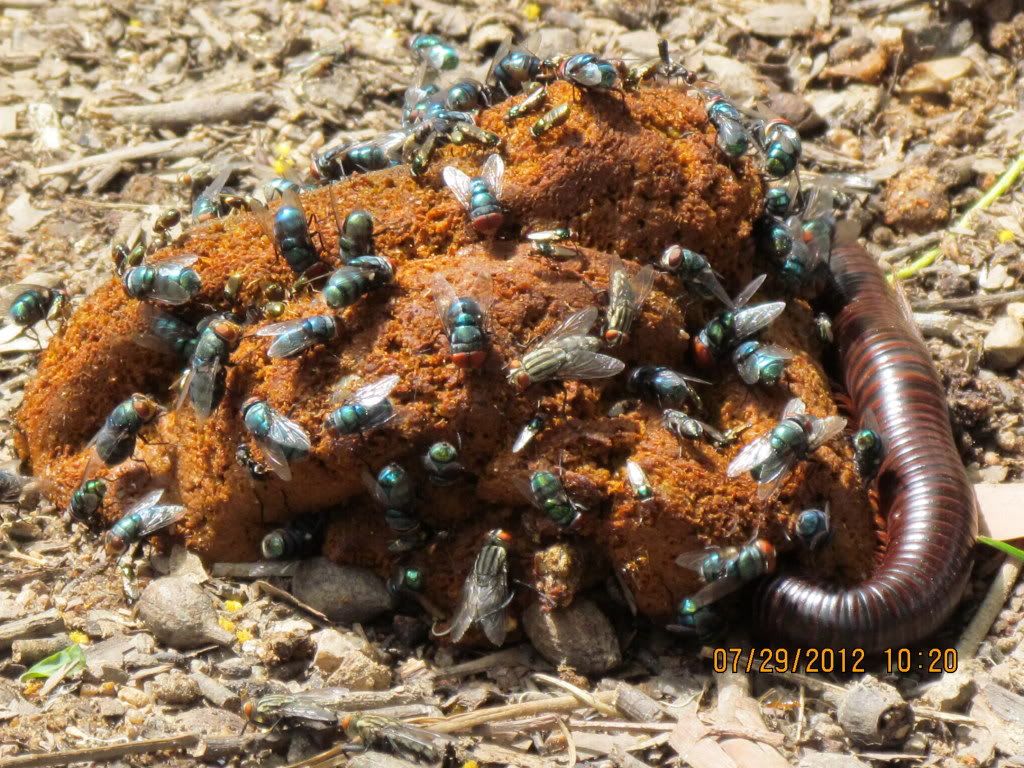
203	397
374	488
264	217
458	182
291	199
218	183
584	364
415	92
642	284
493	621
148	339
769	484
444	296
707	280
160	517
748	370
288	433
494	174
589	74
301	710
825	429
276	459
484	599
377	391
716	590
503	51
794	407
276	329
635	473
754	454
750	320
150	499
576	324
343	390
184	386
184	260
747	293
776	351
695	559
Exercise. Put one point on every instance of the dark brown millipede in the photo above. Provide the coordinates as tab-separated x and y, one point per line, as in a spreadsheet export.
923	489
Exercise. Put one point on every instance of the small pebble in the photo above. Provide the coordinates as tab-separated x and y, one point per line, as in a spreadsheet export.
181	614
345	594
175	688
995	278
1004	344
579	636
134	697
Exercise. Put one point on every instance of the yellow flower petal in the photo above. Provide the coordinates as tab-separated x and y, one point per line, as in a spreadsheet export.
232	605
79	637
227	624
531	11
1005	236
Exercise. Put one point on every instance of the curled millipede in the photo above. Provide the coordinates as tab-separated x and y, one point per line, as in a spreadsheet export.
923	489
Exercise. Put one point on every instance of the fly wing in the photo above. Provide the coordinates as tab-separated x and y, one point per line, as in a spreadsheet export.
377	391
635	473
264	217
150	499
716	590
776	351
748	370
494	174
160	517
203	385
769	484
522	484
288	433
588	74
374	488
750	320
503	51
576	324
468	610
494	622
794	407
276	329
184	260
642	284
302	710
276	460
693	560
707	280
291	199
148	338
444	296
752	455
825	429
584	364
458	182
747	293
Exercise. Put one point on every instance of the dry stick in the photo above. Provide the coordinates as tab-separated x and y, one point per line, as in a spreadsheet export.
218	108
96	754
470	720
38	625
257	570
912	247
508	657
584	696
978	301
989	609
139	152
288	597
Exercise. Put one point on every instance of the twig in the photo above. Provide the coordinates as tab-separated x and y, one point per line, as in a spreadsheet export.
570	743
1001	187
288	597
96	754
470	720
257	570
138	152
989	609
38	625
218	108
977	301
912	247
587	698
507	657
332	756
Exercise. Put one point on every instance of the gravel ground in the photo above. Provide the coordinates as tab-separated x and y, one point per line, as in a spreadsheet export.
921	103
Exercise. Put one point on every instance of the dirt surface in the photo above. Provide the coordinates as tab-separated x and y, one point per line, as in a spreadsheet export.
908	96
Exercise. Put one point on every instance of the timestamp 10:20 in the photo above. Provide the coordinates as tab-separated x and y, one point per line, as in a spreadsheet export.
931	660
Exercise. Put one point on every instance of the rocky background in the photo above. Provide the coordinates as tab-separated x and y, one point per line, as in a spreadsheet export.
103	105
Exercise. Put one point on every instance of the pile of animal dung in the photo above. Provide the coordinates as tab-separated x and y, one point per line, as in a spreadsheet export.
629	174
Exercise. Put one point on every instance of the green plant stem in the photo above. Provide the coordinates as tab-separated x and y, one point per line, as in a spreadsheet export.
997	190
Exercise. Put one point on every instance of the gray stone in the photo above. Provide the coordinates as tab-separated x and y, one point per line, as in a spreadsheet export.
641	44
579	636
343	593
181	614
1004	344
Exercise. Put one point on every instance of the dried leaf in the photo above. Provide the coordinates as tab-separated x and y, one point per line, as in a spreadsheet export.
935	76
